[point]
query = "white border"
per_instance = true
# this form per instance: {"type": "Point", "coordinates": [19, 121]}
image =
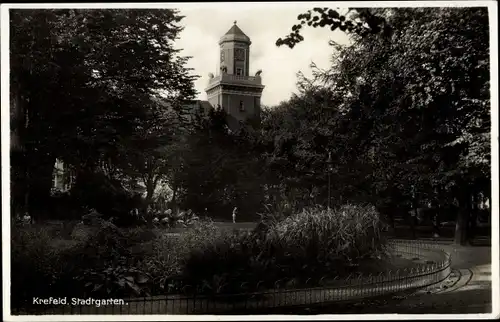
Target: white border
{"type": "Point", "coordinates": [495, 222]}
{"type": "Point", "coordinates": [5, 127]}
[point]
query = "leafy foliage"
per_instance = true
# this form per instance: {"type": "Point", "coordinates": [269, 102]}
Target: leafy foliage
{"type": "Point", "coordinates": [204, 259]}
{"type": "Point", "coordinates": [35, 266]}
{"type": "Point", "coordinates": [100, 266]}
{"type": "Point", "coordinates": [117, 280]}
{"type": "Point", "coordinates": [221, 170]}
{"type": "Point", "coordinates": [103, 66]}
{"type": "Point", "coordinates": [403, 113]}
{"type": "Point", "coordinates": [360, 21]}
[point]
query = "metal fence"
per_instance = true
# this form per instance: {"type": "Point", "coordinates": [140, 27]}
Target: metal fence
{"type": "Point", "coordinates": [434, 267]}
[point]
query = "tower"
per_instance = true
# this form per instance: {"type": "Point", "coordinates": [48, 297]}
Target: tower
{"type": "Point", "coordinates": [233, 89]}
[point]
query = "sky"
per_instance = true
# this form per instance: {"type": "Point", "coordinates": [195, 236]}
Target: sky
{"type": "Point", "coordinates": [264, 24]}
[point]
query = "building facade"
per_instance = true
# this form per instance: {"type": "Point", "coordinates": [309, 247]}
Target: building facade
{"type": "Point", "coordinates": [233, 88]}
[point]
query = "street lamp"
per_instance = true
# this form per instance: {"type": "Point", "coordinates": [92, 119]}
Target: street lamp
{"type": "Point", "coordinates": [413, 215]}
{"type": "Point", "coordinates": [329, 164]}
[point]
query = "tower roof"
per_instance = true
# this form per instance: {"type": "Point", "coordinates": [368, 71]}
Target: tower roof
{"type": "Point", "coordinates": [235, 34]}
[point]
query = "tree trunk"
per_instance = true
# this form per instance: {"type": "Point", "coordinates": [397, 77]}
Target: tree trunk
{"type": "Point", "coordinates": [473, 216]}
{"type": "Point", "coordinates": [149, 194]}
{"type": "Point", "coordinates": [436, 220]}
{"type": "Point", "coordinates": [413, 217]}
{"type": "Point", "coordinates": [18, 175]}
{"type": "Point", "coordinates": [392, 224]}
{"type": "Point", "coordinates": [39, 184]}
{"type": "Point", "coordinates": [461, 227]}
{"type": "Point", "coordinates": [174, 199]}
{"type": "Point", "coordinates": [18, 182]}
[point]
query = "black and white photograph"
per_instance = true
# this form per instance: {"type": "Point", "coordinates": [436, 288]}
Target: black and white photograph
{"type": "Point", "coordinates": [239, 160]}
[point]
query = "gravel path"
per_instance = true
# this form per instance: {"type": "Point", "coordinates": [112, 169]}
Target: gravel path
{"type": "Point", "coordinates": [468, 290]}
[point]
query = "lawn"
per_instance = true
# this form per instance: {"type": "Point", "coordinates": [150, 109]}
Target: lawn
{"type": "Point", "coordinates": [60, 232]}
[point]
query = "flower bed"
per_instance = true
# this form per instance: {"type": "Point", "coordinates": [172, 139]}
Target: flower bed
{"type": "Point", "coordinates": [297, 251]}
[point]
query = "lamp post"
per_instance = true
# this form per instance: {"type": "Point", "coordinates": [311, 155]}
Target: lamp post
{"type": "Point", "coordinates": [414, 212]}
{"type": "Point", "coordinates": [329, 164]}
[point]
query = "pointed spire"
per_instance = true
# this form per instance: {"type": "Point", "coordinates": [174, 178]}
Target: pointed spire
{"type": "Point", "coordinates": [235, 34]}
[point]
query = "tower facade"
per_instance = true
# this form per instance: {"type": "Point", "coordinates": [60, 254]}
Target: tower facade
{"type": "Point", "coordinates": [232, 88]}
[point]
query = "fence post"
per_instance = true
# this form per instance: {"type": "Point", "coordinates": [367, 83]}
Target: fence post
{"type": "Point", "coordinates": [379, 283]}
{"type": "Point", "coordinates": [370, 282]}
{"type": "Point", "coordinates": [335, 279]}
{"type": "Point", "coordinates": [349, 284]}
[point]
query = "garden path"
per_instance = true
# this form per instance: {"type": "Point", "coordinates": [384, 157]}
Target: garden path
{"type": "Point", "coordinates": [468, 290]}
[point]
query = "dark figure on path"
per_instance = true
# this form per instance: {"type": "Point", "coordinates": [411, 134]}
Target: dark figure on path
{"type": "Point", "coordinates": [434, 214]}
{"type": "Point", "coordinates": [435, 224]}
{"type": "Point", "coordinates": [235, 212]}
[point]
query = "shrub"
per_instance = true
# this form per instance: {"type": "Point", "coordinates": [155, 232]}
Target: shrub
{"type": "Point", "coordinates": [99, 266]}
{"type": "Point", "coordinates": [67, 229]}
{"type": "Point", "coordinates": [104, 265]}
{"type": "Point", "coordinates": [162, 264]}
{"type": "Point", "coordinates": [140, 234]}
{"type": "Point", "coordinates": [37, 269]}
{"type": "Point", "coordinates": [117, 279]}
{"type": "Point", "coordinates": [160, 256]}
{"type": "Point", "coordinates": [166, 262]}
{"type": "Point", "coordinates": [108, 196]}
{"type": "Point", "coordinates": [221, 263]}
{"type": "Point", "coordinates": [202, 234]}
{"type": "Point", "coordinates": [308, 244]}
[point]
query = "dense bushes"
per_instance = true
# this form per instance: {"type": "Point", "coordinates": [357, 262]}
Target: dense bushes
{"type": "Point", "coordinates": [294, 251]}
{"type": "Point", "coordinates": [97, 266]}
{"type": "Point", "coordinates": [37, 268]}
{"type": "Point", "coordinates": [107, 196]}
{"type": "Point", "coordinates": [299, 249]}
{"type": "Point", "coordinates": [222, 262]}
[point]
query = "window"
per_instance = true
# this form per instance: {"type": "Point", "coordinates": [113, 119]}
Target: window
{"type": "Point", "coordinates": [239, 54]}
{"type": "Point", "coordinates": [242, 107]}
{"type": "Point", "coordinates": [222, 56]}
{"type": "Point", "coordinates": [239, 71]}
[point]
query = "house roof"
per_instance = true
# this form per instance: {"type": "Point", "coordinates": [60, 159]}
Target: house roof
{"type": "Point", "coordinates": [235, 30]}
{"type": "Point", "coordinates": [206, 106]}
{"type": "Point", "coordinates": [235, 34]}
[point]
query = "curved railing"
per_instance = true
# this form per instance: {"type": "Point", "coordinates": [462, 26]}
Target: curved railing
{"type": "Point", "coordinates": [436, 268]}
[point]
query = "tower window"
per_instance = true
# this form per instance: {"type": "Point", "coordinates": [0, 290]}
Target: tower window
{"type": "Point", "coordinates": [239, 71]}
{"type": "Point", "coordinates": [242, 107]}
{"type": "Point", "coordinates": [239, 54]}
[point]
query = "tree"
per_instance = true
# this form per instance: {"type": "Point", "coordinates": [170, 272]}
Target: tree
{"type": "Point", "coordinates": [360, 21]}
{"type": "Point", "coordinates": [412, 99]}
{"type": "Point", "coordinates": [216, 169]}
{"type": "Point", "coordinates": [146, 154]}
{"type": "Point", "coordinates": [96, 67]}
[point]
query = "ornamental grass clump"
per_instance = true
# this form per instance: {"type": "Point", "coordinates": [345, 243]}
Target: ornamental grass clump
{"type": "Point", "coordinates": [332, 240]}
